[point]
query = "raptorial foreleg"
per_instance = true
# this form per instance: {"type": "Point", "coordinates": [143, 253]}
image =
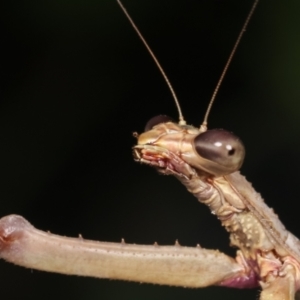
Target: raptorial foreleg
{"type": "Point", "coordinates": [22, 244]}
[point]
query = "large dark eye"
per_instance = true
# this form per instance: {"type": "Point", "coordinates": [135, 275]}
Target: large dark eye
{"type": "Point", "coordinates": [221, 147]}
{"type": "Point", "coordinates": [157, 120]}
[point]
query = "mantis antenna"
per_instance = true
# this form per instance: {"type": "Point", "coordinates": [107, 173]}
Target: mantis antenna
{"type": "Point", "coordinates": [181, 119]}
{"type": "Point", "coordinates": [203, 127]}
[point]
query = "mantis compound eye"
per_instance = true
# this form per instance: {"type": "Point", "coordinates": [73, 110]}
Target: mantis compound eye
{"type": "Point", "coordinates": [222, 148]}
{"type": "Point", "coordinates": [157, 120]}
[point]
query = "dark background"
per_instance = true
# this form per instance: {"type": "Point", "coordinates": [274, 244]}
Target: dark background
{"type": "Point", "coordinates": [77, 82]}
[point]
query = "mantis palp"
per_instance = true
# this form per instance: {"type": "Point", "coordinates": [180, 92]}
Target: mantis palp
{"type": "Point", "coordinates": [100, 213]}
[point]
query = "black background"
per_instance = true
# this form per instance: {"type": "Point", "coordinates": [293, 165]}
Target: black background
{"type": "Point", "coordinates": [77, 82]}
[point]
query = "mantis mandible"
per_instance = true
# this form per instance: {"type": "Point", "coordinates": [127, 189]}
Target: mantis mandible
{"type": "Point", "coordinates": [153, 238]}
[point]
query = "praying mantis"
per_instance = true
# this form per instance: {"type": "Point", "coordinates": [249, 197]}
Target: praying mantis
{"type": "Point", "coordinates": [162, 201]}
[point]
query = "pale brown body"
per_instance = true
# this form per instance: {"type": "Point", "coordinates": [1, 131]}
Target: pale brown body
{"type": "Point", "coordinates": [268, 253]}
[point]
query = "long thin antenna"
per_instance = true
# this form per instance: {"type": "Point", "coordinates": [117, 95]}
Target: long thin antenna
{"type": "Point", "coordinates": [181, 119]}
{"type": "Point", "coordinates": [213, 97]}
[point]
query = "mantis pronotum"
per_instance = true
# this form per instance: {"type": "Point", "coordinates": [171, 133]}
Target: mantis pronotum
{"type": "Point", "coordinates": [126, 212]}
